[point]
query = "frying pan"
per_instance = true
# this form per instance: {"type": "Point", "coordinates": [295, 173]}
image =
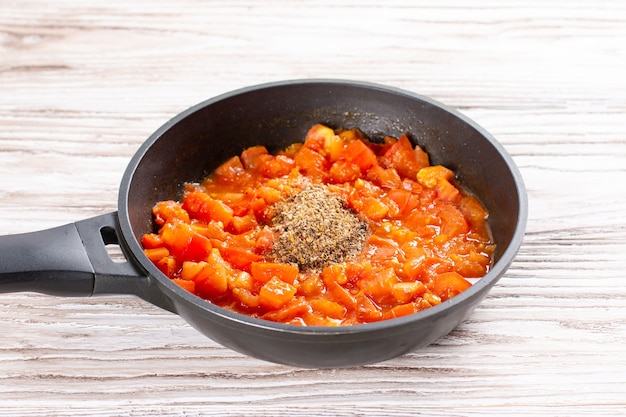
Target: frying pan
{"type": "Point", "coordinates": [72, 260]}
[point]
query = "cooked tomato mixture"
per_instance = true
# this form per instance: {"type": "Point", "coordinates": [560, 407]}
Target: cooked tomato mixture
{"type": "Point", "coordinates": [338, 230]}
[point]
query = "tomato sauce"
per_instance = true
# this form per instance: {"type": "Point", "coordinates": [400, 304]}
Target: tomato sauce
{"type": "Point", "coordinates": [337, 230]}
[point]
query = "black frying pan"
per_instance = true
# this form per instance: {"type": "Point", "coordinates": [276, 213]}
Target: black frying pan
{"type": "Point", "coordinates": [72, 260]}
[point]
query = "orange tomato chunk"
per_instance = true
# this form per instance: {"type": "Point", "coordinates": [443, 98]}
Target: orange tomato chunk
{"type": "Point", "coordinates": [275, 293]}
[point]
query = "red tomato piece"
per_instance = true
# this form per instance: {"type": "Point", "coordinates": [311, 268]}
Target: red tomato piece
{"type": "Point", "coordinates": [406, 200]}
{"type": "Point", "coordinates": [250, 156]}
{"type": "Point", "coordinates": [184, 243]}
{"type": "Point", "coordinates": [265, 271]}
{"type": "Point", "coordinates": [188, 285]}
{"type": "Point", "coordinates": [311, 163]}
{"type": "Point", "coordinates": [165, 211]}
{"type": "Point", "coordinates": [239, 257]}
{"type": "Point", "coordinates": [360, 154]}
{"type": "Point", "coordinates": [276, 293]}
{"type": "Point", "coordinates": [449, 284]}
{"type": "Point", "coordinates": [343, 171]}
{"type": "Point", "coordinates": [384, 177]}
{"type": "Point", "coordinates": [212, 280]}
{"type": "Point", "coordinates": [202, 207]}
{"type": "Point", "coordinates": [402, 157]}
{"type": "Point", "coordinates": [452, 221]}
{"type": "Point", "coordinates": [277, 166]}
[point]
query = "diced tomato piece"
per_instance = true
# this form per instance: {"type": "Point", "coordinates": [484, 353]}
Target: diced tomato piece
{"type": "Point", "coordinates": [265, 271]}
{"type": "Point", "coordinates": [275, 293]}
{"type": "Point", "coordinates": [211, 230]}
{"type": "Point", "coordinates": [156, 254]}
{"type": "Point", "coordinates": [333, 146]}
{"type": "Point", "coordinates": [238, 257]}
{"type": "Point", "coordinates": [184, 243]}
{"type": "Point", "coordinates": [203, 207]}
{"type": "Point", "coordinates": [289, 312]}
{"type": "Point", "coordinates": [269, 195]}
{"type": "Point", "coordinates": [351, 134]}
{"type": "Point", "coordinates": [165, 211]}
{"type": "Point", "coordinates": [242, 224]}
{"type": "Point", "coordinates": [258, 207]}
{"type": "Point", "coordinates": [231, 171]}
{"type": "Point", "coordinates": [422, 223]}
{"type": "Point", "coordinates": [360, 154]}
{"type": "Point", "coordinates": [334, 273]}
{"type": "Point", "coordinates": [449, 284]}
{"type": "Point", "coordinates": [374, 209]}
{"type": "Point", "coordinates": [328, 308]}
{"type": "Point", "coordinates": [313, 285]}
{"type": "Point", "coordinates": [378, 286]}
{"type": "Point", "coordinates": [167, 265]}
{"type": "Point", "coordinates": [277, 166]}
{"type": "Point", "coordinates": [384, 177]}
{"type": "Point", "coordinates": [151, 241]}
{"type": "Point", "coordinates": [250, 157]}
{"type": "Point", "coordinates": [402, 157]}
{"type": "Point", "coordinates": [414, 266]}
{"type": "Point", "coordinates": [311, 163]}
{"type": "Point", "coordinates": [212, 280]}
{"type": "Point", "coordinates": [246, 297]}
{"type": "Point", "coordinates": [406, 200]}
{"type": "Point", "coordinates": [191, 269]}
{"type": "Point", "coordinates": [407, 291]}
{"type": "Point", "coordinates": [380, 249]}
{"type": "Point", "coordinates": [473, 211]}
{"type": "Point", "coordinates": [430, 176]}
{"type": "Point", "coordinates": [452, 221]}
{"type": "Point", "coordinates": [317, 136]}
{"type": "Point", "coordinates": [187, 285]}
{"type": "Point", "coordinates": [265, 240]}
{"type": "Point", "coordinates": [343, 171]}
{"type": "Point", "coordinates": [402, 310]}
{"type": "Point", "coordinates": [341, 295]}
{"type": "Point", "coordinates": [447, 192]}
{"type": "Point", "coordinates": [421, 156]}
{"type": "Point", "coordinates": [367, 310]}
{"type": "Point", "coordinates": [240, 279]}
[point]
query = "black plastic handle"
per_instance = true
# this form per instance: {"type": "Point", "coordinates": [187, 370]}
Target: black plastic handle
{"type": "Point", "coordinates": [72, 260]}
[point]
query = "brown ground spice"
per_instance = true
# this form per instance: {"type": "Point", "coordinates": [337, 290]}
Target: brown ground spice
{"type": "Point", "coordinates": [315, 228]}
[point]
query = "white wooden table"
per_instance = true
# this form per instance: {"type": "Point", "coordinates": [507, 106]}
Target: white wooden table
{"type": "Point", "coordinates": [83, 84]}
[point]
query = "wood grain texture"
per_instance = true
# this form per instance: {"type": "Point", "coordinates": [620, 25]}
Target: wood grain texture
{"type": "Point", "coordinates": [82, 84]}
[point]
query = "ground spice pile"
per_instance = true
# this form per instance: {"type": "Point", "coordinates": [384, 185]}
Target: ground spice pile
{"type": "Point", "coordinates": [316, 228]}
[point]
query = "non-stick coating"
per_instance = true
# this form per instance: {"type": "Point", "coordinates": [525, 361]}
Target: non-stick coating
{"type": "Point", "coordinates": [194, 143]}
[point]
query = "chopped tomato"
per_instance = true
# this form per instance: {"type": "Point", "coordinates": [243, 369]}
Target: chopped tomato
{"type": "Point", "coordinates": [343, 171]}
{"type": "Point", "coordinates": [203, 207]}
{"type": "Point", "coordinates": [239, 257]}
{"type": "Point", "coordinates": [265, 271]}
{"type": "Point", "coordinates": [311, 163]}
{"type": "Point", "coordinates": [359, 154]}
{"type": "Point", "coordinates": [449, 284]}
{"type": "Point", "coordinates": [406, 200]}
{"type": "Point", "coordinates": [184, 243]}
{"type": "Point", "coordinates": [250, 157]}
{"type": "Point", "coordinates": [276, 293]}
{"type": "Point", "coordinates": [165, 211]}
{"type": "Point", "coordinates": [401, 156]}
{"type": "Point", "coordinates": [212, 279]}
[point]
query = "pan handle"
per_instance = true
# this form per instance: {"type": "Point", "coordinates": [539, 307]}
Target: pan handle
{"type": "Point", "coordinates": [72, 260]}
